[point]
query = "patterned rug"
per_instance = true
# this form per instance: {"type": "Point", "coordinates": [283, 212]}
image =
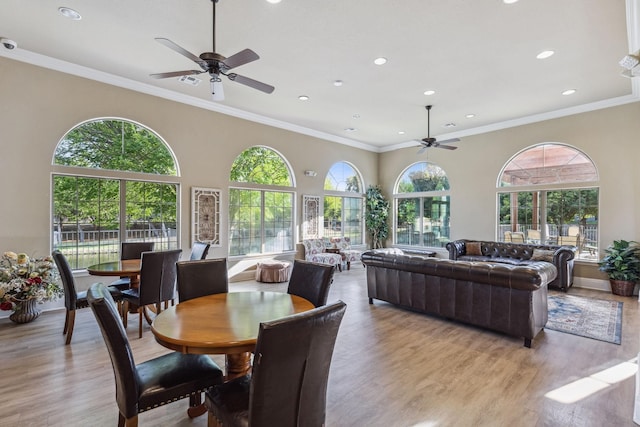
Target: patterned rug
{"type": "Point", "coordinates": [587, 317]}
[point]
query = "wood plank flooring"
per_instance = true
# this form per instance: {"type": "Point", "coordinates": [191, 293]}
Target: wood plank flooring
{"type": "Point", "coordinates": [391, 367]}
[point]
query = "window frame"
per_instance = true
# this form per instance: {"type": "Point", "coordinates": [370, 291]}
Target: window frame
{"type": "Point", "coordinates": [588, 249]}
{"type": "Point", "coordinates": [263, 188]}
{"type": "Point", "coordinates": [343, 196]}
{"type": "Point", "coordinates": [421, 196]}
{"type": "Point", "coordinates": [122, 176]}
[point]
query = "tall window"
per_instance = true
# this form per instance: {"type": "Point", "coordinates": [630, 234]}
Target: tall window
{"type": "Point", "coordinates": [422, 206]}
{"type": "Point", "coordinates": [343, 203]}
{"type": "Point", "coordinates": [113, 198]}
{"type": "Point", "coordinates": [547, 195]}
{"type": "Point", "coordinates": [260, 203]}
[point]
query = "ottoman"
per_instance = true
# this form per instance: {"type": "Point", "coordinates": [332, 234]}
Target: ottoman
{"type": "Point", "coordinates": [272, 271]}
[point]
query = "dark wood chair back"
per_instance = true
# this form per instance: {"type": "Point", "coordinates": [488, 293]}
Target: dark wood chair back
{"type": "Point", "coordinates": [202, 277]}
{"type": "Point", "coordinates": [311, 281]}
{"type": "Point", "coordinates": [152, 383]}
{"type": "Point", "coordinates": [288, 384]}
{"type": "Point", "coordinates": [133, 250]}
{"type": "Point", "coordinates": [199, 250]}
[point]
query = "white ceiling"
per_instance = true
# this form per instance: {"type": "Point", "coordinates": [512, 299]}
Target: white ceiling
{"type": "Point", "coordinates": [478, 55]}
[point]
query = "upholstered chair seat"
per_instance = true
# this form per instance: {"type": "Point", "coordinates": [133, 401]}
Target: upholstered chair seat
{"type": "Point", "coordinates": [315, 250]}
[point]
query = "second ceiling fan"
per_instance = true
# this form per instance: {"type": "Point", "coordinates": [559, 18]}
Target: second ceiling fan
{"type": "Point", "coordinates": [429, 142]}
{"type": "Point", "coordinates": [215, 65]}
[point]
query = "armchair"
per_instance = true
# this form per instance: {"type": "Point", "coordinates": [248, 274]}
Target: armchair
{"type": "Point", "coordinates": [315, 250]}
{"type": "Point", "coordinates": [343, 244]}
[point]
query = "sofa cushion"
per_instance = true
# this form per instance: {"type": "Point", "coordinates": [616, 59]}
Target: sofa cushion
{"type": "Point", "coordinates": [473, 248]}
{"type": "Point", "coordinates": [542, 255]}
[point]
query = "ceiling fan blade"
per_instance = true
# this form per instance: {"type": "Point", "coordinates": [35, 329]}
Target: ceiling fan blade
{"type": "Point", "coordinates": [446, 141]}
{"type": "Point", "coordinates": [240, 58]}
{"type": "Point", "coordinates": [175, 74]}
{"type": "Point", "coordinates": [448, 147]}
{"type": "Point", "coordinates": [251, 83]}
{"type": "Point", "coordinates": [171, 45]}
{"type": "Point", "coordinates": [422, 149]}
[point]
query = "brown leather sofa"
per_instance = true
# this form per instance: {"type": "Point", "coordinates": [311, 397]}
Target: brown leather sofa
{"type": "Point", "coordinates": [519, 254]}
{"type": "Point", "coordinates": [506, 298]}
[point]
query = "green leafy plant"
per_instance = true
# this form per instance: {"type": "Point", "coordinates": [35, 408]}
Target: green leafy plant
{"type": "Point", "coordinates": [376, 216]}
{"type": "Point", "coordinates": [622, 261]}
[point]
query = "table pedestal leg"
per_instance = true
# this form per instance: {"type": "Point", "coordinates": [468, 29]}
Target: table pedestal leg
{"type": "Point", "coordinates": [238, 364]}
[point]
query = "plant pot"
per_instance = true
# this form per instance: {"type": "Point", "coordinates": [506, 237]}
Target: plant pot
{"type": "Point", "coordinates": [25, 312]}
{"type": "Point", "coordinates": [622, 287]}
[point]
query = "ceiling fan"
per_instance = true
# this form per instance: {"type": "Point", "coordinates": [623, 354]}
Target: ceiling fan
{"type": "Point", "coordinates": [216, 65]}
{"type": "Point", "coordinates": [429, 142]}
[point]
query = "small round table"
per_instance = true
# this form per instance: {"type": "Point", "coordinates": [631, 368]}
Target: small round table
{"type": "Point", "coordinates": [125, 267]}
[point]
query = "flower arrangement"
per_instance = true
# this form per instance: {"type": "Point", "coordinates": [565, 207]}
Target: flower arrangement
{"type": "Point", "coordinates": [22, 279]}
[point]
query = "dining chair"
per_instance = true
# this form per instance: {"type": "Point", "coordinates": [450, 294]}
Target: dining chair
{"type": "Point", "coordinates": [199, 250]}
{"type": "Point", "coordinates": [74, 300]}
{"type": "Point", "coordinates": [202, 277]}
{"type": "Point", "coordinates": [157, 284]}
{"type": "Point", "coordinates": [288, 383]}
{"type": "Point", "coordinates": [507, 236]}
{"type": "Point", "coordinates": [131, 250]}
{"type": "Point", "coordinates": [153, 383]}
{"type": "Point", "coordinates": [311, 281]}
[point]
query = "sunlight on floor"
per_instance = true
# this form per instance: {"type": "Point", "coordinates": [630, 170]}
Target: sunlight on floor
{"type": "Point", "coordinates": [587, 386]}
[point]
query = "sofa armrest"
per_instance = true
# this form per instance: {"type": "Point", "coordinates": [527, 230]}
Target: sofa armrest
{"type": "Point", "coordinates": [456, 248]}
{"type": "Point", "coordinates": [563, 260]}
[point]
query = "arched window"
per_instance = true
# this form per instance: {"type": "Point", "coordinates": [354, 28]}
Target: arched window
{"type": "Point", "coordinates": [547, 195]}
{"type": "Point", "coordinates": [260, 216]}
{"type": "Point", "coordinates": [422, 206]}
{"type": "Point", "coordinates": [114, 180]}
{"type": "Point", "coordinates": [343, 203]}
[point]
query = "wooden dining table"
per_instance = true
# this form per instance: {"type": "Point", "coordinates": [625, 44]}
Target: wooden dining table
{"type": "Point", "coordinates": [125, 267]}
{"type": "Point", "coordinates": [224, 323]}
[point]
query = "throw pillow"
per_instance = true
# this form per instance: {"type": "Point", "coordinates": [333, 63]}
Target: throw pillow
{"type": "Point", "coordinates": [542, 255]}
{"type": "Point", "coordinates": [473, 248]}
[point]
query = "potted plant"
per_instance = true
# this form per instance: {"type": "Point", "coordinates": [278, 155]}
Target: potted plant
{"type": "Point", "coordinates": [622, 265]}
{"type": "Point", "coordinates": [376, 216]}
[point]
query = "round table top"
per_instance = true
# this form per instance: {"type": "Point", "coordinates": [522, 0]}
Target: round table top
{"type": "Point", "coordinates": [116, 268]}
{"type": "Point", "coordinates": [223, 323]}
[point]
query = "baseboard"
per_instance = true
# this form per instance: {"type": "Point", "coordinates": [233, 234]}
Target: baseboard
{"type": "Point", "coordinates": [595, 284]}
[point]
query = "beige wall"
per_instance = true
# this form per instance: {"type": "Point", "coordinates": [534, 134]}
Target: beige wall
{"type": "Point", "coordinates": [610, 137]}
{"type": "Point", "coordinates": [38, 106]}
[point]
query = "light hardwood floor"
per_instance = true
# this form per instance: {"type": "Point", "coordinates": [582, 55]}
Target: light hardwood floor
{"type": "Point", "coordinates": [391, 367]}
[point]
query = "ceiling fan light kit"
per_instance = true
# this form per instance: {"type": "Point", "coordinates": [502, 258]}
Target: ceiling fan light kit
{"type": "Point", "coordinates": [215, 65]}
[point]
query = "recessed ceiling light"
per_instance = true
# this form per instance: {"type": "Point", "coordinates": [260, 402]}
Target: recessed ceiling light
{"type": "Point", "coordinates": [401, 132]}
{"type": "Point", "coordinates": [545, 54]}
{"type": "Point", "coordinates": [470, 116]}
{"type": "Point", "coordinates": [429, 92]}
{"type": "Point", "coordinates": [380, 61]}
{"type": "Point", "coordinates": [274, 1]}
{"type": "Point", "coordinates": [350, 129]}
{"type": "Point", "coordinates": [67, 12]}
{"type": "Point", "coordinates": [509, 1]}
{"type": "Point", "coordinates": [450, 125]}
{"type": "Point", "coordinates": [303, 98]}
{"type": "Point", "coordinates": [569, 92]}
{"type": "Point", "coordinates": [337, 83]}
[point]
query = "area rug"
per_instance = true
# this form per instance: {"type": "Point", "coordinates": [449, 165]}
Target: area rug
{"type": "Point", "coordinates": [586, 317]}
